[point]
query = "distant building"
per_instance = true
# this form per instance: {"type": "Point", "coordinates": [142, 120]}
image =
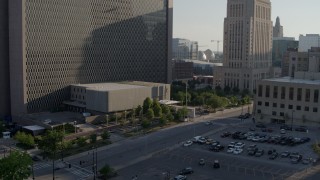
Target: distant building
{"type": "Point", "coordinates": [113, 97]}
{"type": "Point", "coordinates": [308, 41]}
{"type": "Point", "coordinates": [182, 70]}
{"type": "Point", "coordinates": [209, 55]}
{"type": "Point", "coordinates": [247, 44]}
{"type": "Point", "coordinates": [292, 99]}
{"type": "Point", "coordinates": [278, 29]}
{"type": "Point", "coordinates": [184, 49]}
{"type": "Point", "coordinates": [280, 47]}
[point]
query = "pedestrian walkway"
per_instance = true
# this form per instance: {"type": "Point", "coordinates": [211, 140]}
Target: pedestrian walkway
{"type": "Point", "coordinates": [82, 173]}
{"type": "Point", "coordinates": [41, 165]}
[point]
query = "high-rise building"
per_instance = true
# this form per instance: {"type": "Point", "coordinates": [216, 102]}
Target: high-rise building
{"type": "Point", "coordinates": [308, 41]}
{"type": "Point", "coordinates": [184, 49]}
{"type": "Point", "coordinates": [278, 29]}
{"type": "Point", "coordinates": [57, 43]}
{"type": "Point", "coordinates": [247, 44]}
{"type": "Point", "coordinates": [280, 45]}
{"type": "Point", "coordinates": [4, 60]}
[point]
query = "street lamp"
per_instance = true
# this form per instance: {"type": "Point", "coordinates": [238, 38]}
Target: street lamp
{"type": "Point", "coordinates": [292, 120]}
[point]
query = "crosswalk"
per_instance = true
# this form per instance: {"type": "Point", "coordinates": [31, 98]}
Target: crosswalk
{"type": "Point", "coordinates": [41, 165]}
{"type": "Point", "coordinates": [80, 172]}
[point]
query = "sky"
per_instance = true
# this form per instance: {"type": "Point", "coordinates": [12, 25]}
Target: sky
{"type": "Point", "coordinates": [202, 20]}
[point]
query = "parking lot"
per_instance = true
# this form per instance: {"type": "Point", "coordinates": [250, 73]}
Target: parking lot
{"type": "Point", "coordinates": [239, 166]}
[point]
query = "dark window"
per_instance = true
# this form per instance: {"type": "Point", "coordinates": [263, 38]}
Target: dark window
{"type": "Point", "coordinates": [307, 95]}
{"type": "Point", "coordinates": [275, 92]}
{"type": "Point", "coordinates": [290, 107]}
{"type": "Point", "coordinates": [298, 108]}
{"type": "Point", "coordinates": [299, 94]}
{"type": "Point", "coordinates": [316, 96]}
{"type": "Point", "coordinates": [260, 91]}
{"type": "Point", "coordinates": [274, 113]}
{"type": "Point", "coordinates": [283, 92]}
{"type": "Point", "coordinates": [266, 104]}
{"type": "Point", "coordinates": [291, 93]}
{"type": "Point", "coordinates": [315, 109]}
{"type": "Point", "coordinates": [259, 111]}
{"type": "Point", "coordinates": [267, 91]}
{"type": "Point", "coordinates": [282, 106]}
{"type": "Point", "coordinates": [281, 113]}
{"type": "Point", "coordinates": [306, 108]}
{"type": "Point", "coordinates": [259, 103]}
{"type": "Point", "coordinates": [274, 105]}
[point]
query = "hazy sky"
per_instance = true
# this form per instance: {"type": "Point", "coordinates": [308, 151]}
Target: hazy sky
{"type": "Point", "coordinates": [202, 20]}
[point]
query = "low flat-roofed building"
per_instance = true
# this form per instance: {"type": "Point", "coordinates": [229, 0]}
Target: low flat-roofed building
{"type": "Point", "coordinates": [288, 100]}
{"type": "Point", "coordinates": [113, 97]}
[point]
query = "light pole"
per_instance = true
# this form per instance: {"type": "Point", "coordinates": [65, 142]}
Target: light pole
{"type": "Point", "coordinates": [292, 120]}
{"type": "Point", "coordinates": [186, 94]}
{"type": "Point", "coordinates": [75, 126]}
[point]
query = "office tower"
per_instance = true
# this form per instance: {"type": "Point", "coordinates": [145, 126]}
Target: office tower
{"type": "Point", "coordinates": [308, 41]}
{"type": "Point", "coordinates": [184, 49]}
{"type": "Point", "coordinates": [280, 45]}
{"type": "Point", "coordinates": [57, 43]}
{"type": "Point", "coordinates": [247, 44]}
{"type": "Point", "coordinates": [278, 29]}
{"type": "Point", "coordinates": [4, 60]}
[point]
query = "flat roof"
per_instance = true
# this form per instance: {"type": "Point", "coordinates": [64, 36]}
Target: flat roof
{"type": "Point", "coordinates": [34, 128]}
{"type": "Point", "coordinates": [294, 81]}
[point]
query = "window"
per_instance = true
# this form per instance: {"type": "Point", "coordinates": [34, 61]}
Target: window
{"type": "Point", "coordinates": [266, 104]}
{"type": "Point", "coordinates": [283, 92]}
{"type": "Point", "coordinates": [274, 113]}
{"type": "Point", "coordinates": [281, 113]}
{"type": "Point", "coordinates": [307, 95]}
{"type": "Point", "coordinates": [315, 109]}
{"type": "Point", "coordinates": [316, 96]}
{"type": "Point", "coordinates": [299, 94]}
{"type": "Point", "coordinates": [282, 106]}
{"type": "Point", "coordinates": [291, 93]}
{"type": "Point", "coordinates": [290, 107]}
{"type": "Point", "coordinates": [275, 92]}
{"type": "Point", "coordinates": [259, 111]}
{"type": "Point", "coordinates": [260, 91]}
{"type": "Point", "coordinates": [259, 103]}
{"type": "Point", "coordinates": [298, 108]}
{"type": "Point", "coordinates": [274, 105]}
{"type": "Point", "coordinates": [306, 108]}
{"type": "Point", "coordinates": [267, 91]}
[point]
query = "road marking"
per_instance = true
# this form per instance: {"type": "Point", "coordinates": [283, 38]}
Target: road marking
{"type": "Point", "coordinates": [41, 165]}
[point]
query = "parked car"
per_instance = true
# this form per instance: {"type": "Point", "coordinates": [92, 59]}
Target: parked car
{"type": "Point", "coordinates": [216, 164]}
{"type": "Point", "coordinates": [301, 129]}
{"type": "Point", "coordinates": [259, 153]}
{"type": "Point", "coordinates": [282, 131]}
{"type": "Point", "coordinates": [187, 170]}
{"type": "Point", "coordinates": [239, 145]}
{"type": "Point", "coordinates": [247, 115]}
{"type": "Point", "coordinates": [225, 134]}
{"type": "Point", "coordinates": [273, 156]}
{"type": "Point", "coordinates": [252, 129]}
{"type": "Point", "coordinates": [180, 177]}
{"type": "Point", "coordinates": [252, 152]}
{"type": "Point", "coordinates": [285, 154]}
{"type": "Point", "coordinates": [306, 161]}
{"type": "Point", "coordinates": [230, 150]}
{"type": "Point", "coordinates": [271, 151]}
{"type": "Point", "coordinates": [202, 162]}
{"type": "Point", "coordinates": [252, 146]}
{"type": "Point", "coordinates": [260, 125]}
{"type": "Point", "coordinates": [286, 127]}
{"type": "Point", "coordinates": [238, 151]}
{"type": "Point", "coordinates": [188, 143]}
{"type": "Point", "coordinates": [218, 148]}
{"type": "Point", "coordinates": [296, 160]}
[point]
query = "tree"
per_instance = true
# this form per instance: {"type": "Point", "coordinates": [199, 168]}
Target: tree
{"type": "Point", "coordinates": [150, 114]}
{"type": "Point", "coordinates": [165, 109]}
{"type": "Point", "coordinates": [107, 172]}
{"type": "Point", "coordinates": [234, 101]}
{"type": "Point", "coordinates": [81, 141]}
{"type": "Point", "coordinates": [163, 120]}
{"type": "Point", "coordinates": [181, 96]}
{"type": "Point", "coordinates": [15, 166]}
{"type": "Point", "coordinates": [26, 140]}
{"type": "Point", "coordinates": [52, 142]}
{"type": "Point", "coordinates": [93, 138]}
{"type": "Point", "coordinates": [157, 109]}
{"type": "Point", "coordinates": [145, 123]}
{"type": "Point", "coordinates": [215, 102]}
{"type": "Point", "coordinates": [182, 113]}
{"type": "Point", "coordinates": [169, 116]}
{"type": "Point", "coordinates": [105, 135]}
{"type": "Point", "coordinates": [147, 104]}
{"type": "Point", "coordinates": [246, 99]}
{"type": "Point", "coordinates": [138, 110]}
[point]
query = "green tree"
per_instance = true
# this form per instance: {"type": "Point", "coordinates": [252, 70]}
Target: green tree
{"type": "Point", "coordinates": [145, 123]}
{"type": "Point", "coordinates": [107, 172]}
{"type": "Point", "coordinates": [165, 109]}
{"type": "Point", "coordinates": [93, 138]}
{"type": "Point", "coordinates": [246, 99]}
{"type": "Point", "coordinates": [138, 110]}
{"type": "Point", "coordinates": [52, 142]}
{"type": "Point", "coordinates": [163, 120]}
{"type": "Point", "coordinates": [147, 104]}
{"type": "Point", "coordinates": [181, 96]}
{"type": "Point", "coordinates": [105, 135]}
{"type": "Point", "coordinates": [81, 141]}
{"type": "Point", "coordinates": [169, 116]}
{"type": "Point", "coordinates": [182, 113]}
{"type": "Point", "coordinates": [26, 140]}
{"type": "Point", "coordinates": [215, 102]}
{"type": "Point", "coordinates": [233, 101]}
{"type": "Point", "coordinates": [15, 166]}
{"type": "Point", "coordinates": [157, 108]}
{"type": "Point", "coordinates": [150, 114]}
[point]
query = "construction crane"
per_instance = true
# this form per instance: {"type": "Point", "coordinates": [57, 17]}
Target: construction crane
{"type": "Point", "coordinates": [218, 42]}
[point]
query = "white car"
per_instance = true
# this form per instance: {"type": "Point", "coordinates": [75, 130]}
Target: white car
{"type": "Point", "coordinates": [230, 150]}
{"type": "Point", "coordinates": [188, 143]}
{"type": "Point", "coordinates": [239, 145]}
{"type": "Point", "coordinates": [238, 151]}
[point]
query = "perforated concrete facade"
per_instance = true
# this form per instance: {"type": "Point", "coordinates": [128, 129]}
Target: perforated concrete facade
{"type": "Point", "coordinates": [85, 41]}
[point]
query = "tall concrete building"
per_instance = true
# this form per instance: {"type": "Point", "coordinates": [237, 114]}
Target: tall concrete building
{"type": "Point", "coordinates": [4, 60]}
{"type": "Point", "coordinates": [278, 29]}
{"type": "Point", "coordinates": [57, 43]}
{"type": "Point", "coordinates": [308, 41]}
{"type": "Point", "coordinates": [247, 44]}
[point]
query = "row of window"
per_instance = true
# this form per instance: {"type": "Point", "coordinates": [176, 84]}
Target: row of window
{"type": "Point", "coordinates": [283, 106]}
{"type": "Point", "coordinates": [293, 92]}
